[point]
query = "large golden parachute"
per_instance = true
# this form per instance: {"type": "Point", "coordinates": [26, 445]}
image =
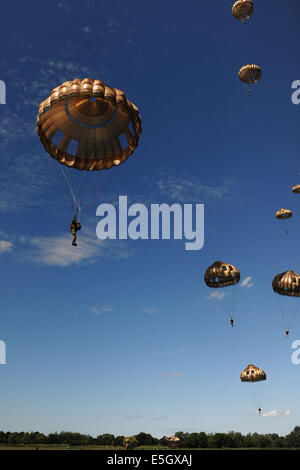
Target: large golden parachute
{"type": "Point", "coordinates": [253, 373]}
{"type": "Point", "coordinates": [243, 10]}
{"type": "Point", "coordinates": [221, 274]}
{"type": "Point", "coordinates": [87, 125]}
{"type": "Point", "coordinates": [287, 283]}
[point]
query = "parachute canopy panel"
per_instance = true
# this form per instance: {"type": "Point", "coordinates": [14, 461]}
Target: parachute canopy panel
{"type": "Point", "coordinates": [221, 274]}
{"type": "Point", "coordinates": [93, 115]}
{"type": "Point", "coordinates": [253, 373]}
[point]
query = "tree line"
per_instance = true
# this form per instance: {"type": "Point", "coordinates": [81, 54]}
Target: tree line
{"type": "Point", "coordinates": [191, 440]}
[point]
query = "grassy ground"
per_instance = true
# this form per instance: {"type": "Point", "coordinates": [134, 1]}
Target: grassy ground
{"type": "Point", "coordinates": [112, 448]}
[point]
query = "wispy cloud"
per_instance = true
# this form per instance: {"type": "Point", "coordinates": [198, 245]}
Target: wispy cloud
{"type": "Point", "coordinates": [171, 374]}
{"type": "Point", "coordinates": [190, 189]}
{"type": "Point", "coordinates": [58, 250]}
{"type": "Point", "coordinates": [5, 246]}
{"type": "Point", "coordinates": [218, 295]}
{"type": "Point", "coordinates": [150, 311]}
{"type": "Point", "coordinates": [133, 416]}
{"type": "Point", "coordinates": [276, 414]}
{"type": "Point", "coordinates": [103, 309]}
{"type": "Point", "coordinates": [27, 183]}
{"type": "Point", "coordinates": [159, 418]}
{"type": "Point", "coordinates": [247, 282]}
{"type": "Point", "coordinates": [63, 5]}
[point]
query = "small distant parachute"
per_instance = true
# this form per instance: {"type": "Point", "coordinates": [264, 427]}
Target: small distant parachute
{"type": "Point", "coordinates": [130, 442]}
{"type": "Point", "coordinates": [172, 442]}
{"type": "Point", "coordinates": [221, 274]}
{"type": "Point", "coordinates": [287, 283]}
{"type": "Point", "coordinates": [243, 10]}
{"type": "Point", "coordinates": [250, 74]}
{"type": "Point", "coordinates": [253, 373]}
{"type": "Point", "coordinates": [284, 214]}
{"type": "Point", "coordinates": [296, 189]}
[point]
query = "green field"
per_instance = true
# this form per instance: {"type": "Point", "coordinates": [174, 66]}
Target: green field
{"type": "Point", "coordinates": [118, 448]}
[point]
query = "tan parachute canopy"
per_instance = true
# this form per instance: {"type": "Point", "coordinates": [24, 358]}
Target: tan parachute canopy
{"type": "Point", "coordinates": [173, 442]}
{"type": "Point", "coordinates": [252, 373]}
{"type": "Point", "coordinates": [243, 10]}
{"type": "Point", "coordinates": [296, 189]}
{"type": "Point", "coordinates": [250, 74]}
{"type": "Point", "coordinates": [221, 274]}
{"type": "Point", "coordinates": [287, 283]}
{"type": "Point", "coordinates": [283, 214]}
{"type": "Point", "coordinates": [94, 116]}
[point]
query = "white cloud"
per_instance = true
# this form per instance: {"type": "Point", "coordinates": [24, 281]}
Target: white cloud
{"type": "Point", "coordinates": [247, 282]}
{"type": "Point", "coordinates": [171, 374]}
{"type": "Point", "coordinates": [5, 246]}
{"type": "Point", "coordinates": [216, 295]}
{"type": "Point", "coordinates": [58, 250]}
{"type": "Point", "coordinates": [100, 310]}
{"type": "Point", "coordinates": [275, 414]}
{"type": "Point", "coordinates": [150, 311]}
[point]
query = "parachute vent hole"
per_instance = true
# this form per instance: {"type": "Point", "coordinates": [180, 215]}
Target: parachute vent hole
{"type": "Point", "coordinates": [56, 139]}
{"type": "Point", "coordinates": [123, 141]}
{"type": "Point", "coordinates": [72, 147]}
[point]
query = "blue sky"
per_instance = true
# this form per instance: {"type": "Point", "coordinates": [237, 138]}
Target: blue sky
{"type": "Point", "coordinates": [122, 336]}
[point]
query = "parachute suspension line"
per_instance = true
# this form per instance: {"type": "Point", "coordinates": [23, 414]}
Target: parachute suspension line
{"type": "Point", "coordinates": [258, 394]}
{"type": "Point", "coordinates": [288, 317]}
{"type": "Point", "coordinates": [65, 187]}
{"type": "Point", "coordinates": [284, 320]}
{"type": "Point", "coordinates": [91, 188]}
{"type": "Point", "coordinates": [88, 204]}
{"type": "Point", "coordinates": [79, 187]}
{"type": "Point", "coordinates": [76, 204]}
{"type": "Point", "coordinates": [78, 193]}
